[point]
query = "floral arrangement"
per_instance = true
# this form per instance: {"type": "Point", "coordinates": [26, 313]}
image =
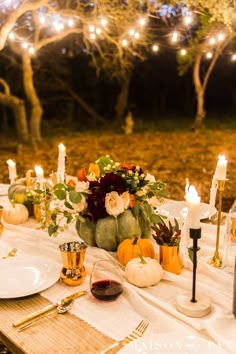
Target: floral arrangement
{"type": "Point", "coordinates": [167, 234]}
{"type": "Point", "coordinates": [108, 188]}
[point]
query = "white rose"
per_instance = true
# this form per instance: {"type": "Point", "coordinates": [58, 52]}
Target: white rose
{"type": "Point", "coordinates": [126, 199]}
{"type": "Point", "coordinates": [114, 204]}
{"type": "Point", "coordinates": [150, 178]}
{"type": "Point", "coordinates": [82, 186]}
{"type": "Point", "coordinates": [82, 205]}
{"type": "Point", "coordinates": [91, 177]}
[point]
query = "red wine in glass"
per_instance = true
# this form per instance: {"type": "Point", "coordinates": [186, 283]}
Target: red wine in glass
{"type": "Point", "coordinates": [106, 290]}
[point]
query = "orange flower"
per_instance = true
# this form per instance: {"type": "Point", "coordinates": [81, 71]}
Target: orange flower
{"type": "Point", "coordinates": [132, 200]}
{"type": "Point", "coordinates": [81, 175]}
{"type": "Point", "coordinates": [126, 166]}
{"type": "Point", "coordinates": [94, 168]}
{"type": "Point", "coordinates": [72, 183]}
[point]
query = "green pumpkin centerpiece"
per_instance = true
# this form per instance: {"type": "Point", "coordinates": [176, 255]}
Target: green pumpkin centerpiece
{"type": "Point", "coordinates": [109, 232]}
{"type": "Point", "coordinates": [20, 190]}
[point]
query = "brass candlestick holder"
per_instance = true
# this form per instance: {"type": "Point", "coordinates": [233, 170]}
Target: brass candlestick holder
{"type": "Point", "coordinates": [216, 260]}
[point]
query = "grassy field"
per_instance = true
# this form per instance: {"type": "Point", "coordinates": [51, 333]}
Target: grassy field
{"type": "Point", "coordinates": [171, 156]}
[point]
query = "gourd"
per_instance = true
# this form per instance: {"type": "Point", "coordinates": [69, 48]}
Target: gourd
{"type": "Point", "coordinates": [143, 271]}
{"type": "Point", "coordinates": [15, 214]}
{"type": "Point", "coordinates": [130, 248]}
{"type": "Point", "coordinates": [109, 232]}
{"type": "Point", "coordinates": [17, 191]}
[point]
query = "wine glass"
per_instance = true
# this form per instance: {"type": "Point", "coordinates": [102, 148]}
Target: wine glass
{"type": "Point", "coordinates": [106, 280]}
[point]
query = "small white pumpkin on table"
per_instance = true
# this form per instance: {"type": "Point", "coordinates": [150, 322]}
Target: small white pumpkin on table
{"type": "Point", "coordinates": [15, 214]}
{"type": "Point", "coordinates": [143, 271]}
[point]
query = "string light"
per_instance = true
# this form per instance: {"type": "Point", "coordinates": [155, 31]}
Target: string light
{"type": "Point", "coordinates": [11, 36]}
{"type": "Point", "coordinates": [124, 42]}
{"type": "Point", "coordinates": [234, 57]}
{"type": "Point", "coordinates": [142, 21]}
{"type": "Point", "coordinates": [42, 19]}
{"type": "Point", "coordinates": [221, 37]}
{"type": "Point", "coordinates": [188, 20]}
{"type": "Point", "coordinates": [31, 50]}
{"type": "Point", "coordinates": [183, 52]}
{"type": "Point", "coordinates": [212, 41]}
{"type": "Point", "coordinates": [103, 22]}
{"type": "Point", "coordinates": [155, 48]}
{"type": "Point", "coordinates": [209, 55]}
{"type": "Point", "coordinates": [175, 36]}
{"type": "Point", "coordinates": [136, 35]}
{"type": "Point", "coordinates": [91, 28]}
{"type": "Point", "coordinates": [70, 22]}
{"type": "Point", "coordinates": [98, 30]}
{"type": "Point", "coordinates": [25, 45]}
{"type": "Point", "coordinates": [92, 36]}
{"type": "Point", "coordinates": [131, 32]}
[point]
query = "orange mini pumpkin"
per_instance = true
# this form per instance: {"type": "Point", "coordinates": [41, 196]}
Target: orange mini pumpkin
{"type": "Point", "coordinates": [130, 248]}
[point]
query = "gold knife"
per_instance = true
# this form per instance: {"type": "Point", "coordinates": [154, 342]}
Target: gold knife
{"type": "Point", "coordinates": [49, 308]}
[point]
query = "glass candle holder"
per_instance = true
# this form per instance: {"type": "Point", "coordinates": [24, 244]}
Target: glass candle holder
{"type": "Point", "coordinates": [73, 271]}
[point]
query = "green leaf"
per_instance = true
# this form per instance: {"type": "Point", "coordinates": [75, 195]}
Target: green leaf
{"type": "Point", "coordinates": [75, 197]}
{"type": "Point", "coordinates": [102, 162]}
{"type": "Point", "coordinates": [60, 194]}
{"type": "Point", "coordinates": [68, 205]}
{"type": "Point", "coordinates": [136, 208]}
{"type": "Point", "coordinates": [52, 229]}
{"type": "Point", "coordinates": [156, 219]}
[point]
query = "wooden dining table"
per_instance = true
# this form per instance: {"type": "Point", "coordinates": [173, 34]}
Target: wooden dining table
{"type": "Point", "coordinates": [94, 325]}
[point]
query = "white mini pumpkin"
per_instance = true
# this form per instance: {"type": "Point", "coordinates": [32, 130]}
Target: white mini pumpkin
{"type": "Point", "coordinates": [143, 271]}
{"type": "Point", "coordinates": [15, 214]}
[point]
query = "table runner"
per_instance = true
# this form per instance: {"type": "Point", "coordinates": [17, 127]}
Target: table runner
{"type": "Point", "coordinates": [156, 304]}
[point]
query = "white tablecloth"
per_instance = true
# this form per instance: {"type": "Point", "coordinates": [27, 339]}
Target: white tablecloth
{"type": "Point", "coordinates": [155, 304]}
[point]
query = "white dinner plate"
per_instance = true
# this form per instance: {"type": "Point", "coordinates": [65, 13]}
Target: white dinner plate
{"type": "Point", "coordinates": [4, 189]}
{"type": "Point", "coordinates": [179, 209]}
{"type": "Point", "coordinates": [171, 343]}
{"type": "Point", "coordinates": [26, 275]}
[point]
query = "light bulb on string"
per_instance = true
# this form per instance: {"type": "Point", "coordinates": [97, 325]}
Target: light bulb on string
{"type": "Point", "coordinates": [71, 22]}
{"type": "Point", "coordinates": [11, 36]}
{"type": "Point", "coordinates": [183, 51]}
{"type": "Point", "coordinates": [220, 37]}
{"type": "Point", "coordinates": [174, 36]}
{"type": "Point", "coordinates": [136, 35]}
{"type": "Point", "coordinates": [31, 50]}
{"type": "Point", "coordinates": [91, 28]}
{"type": "Point", "coordinates": [209, 55]}
{"type": "Point", "coordinates": [212, 41]}
{"type": "Point", "coordinates": [188, 20]}
{"type": "Point", "coordinates": [131, 32]}
{"type": "Point", "coordinates": [233, 57]}
{"type": "Point", "coordinates": [42, 19]}
{"type": "Point", "coordinates": [142, 21]}
{"type": "Point", "coordinates": [155, 48]}
{"type": "Point", "coordinates": [92, 36]}
{"type": "Point", "coordinates": [25, 45]}
{"type": "Point", "coordinates": [103, 22]}
{"type": "Point", "coordinates": [98, 30]}
{"type": "Point", "coordinates": [124, 42]}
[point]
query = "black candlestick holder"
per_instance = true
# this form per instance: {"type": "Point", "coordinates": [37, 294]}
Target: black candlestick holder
{"type": "Point", "coordinates": [190, 305]}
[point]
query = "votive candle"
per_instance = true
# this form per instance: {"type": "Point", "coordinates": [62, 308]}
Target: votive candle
{"type": "Point", "coordinates": [12, 171]}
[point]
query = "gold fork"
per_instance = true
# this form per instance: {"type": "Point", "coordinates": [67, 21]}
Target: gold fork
{"type": "Point", "coordinates": [137, 333]}
{"type": "Point", "coordinates": [11, 253]}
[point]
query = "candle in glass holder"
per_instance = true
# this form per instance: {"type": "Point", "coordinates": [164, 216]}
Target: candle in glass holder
{"type": "Point", "coordinates": [220, 172]}
{"type": "Point", "coordinates": [193, 202]}
{"type": "Point", "coordinates": [61, 163]}
{"type": "Point", "coordinates": [12, 171]}
{"type": "Point", "coordinates": [40, 175]}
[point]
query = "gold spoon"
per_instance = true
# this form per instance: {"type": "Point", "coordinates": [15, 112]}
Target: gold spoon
{"type": "Point", "coordinates": [11, 253]}
{"type": "Point", "coordinates": [61, 309]}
